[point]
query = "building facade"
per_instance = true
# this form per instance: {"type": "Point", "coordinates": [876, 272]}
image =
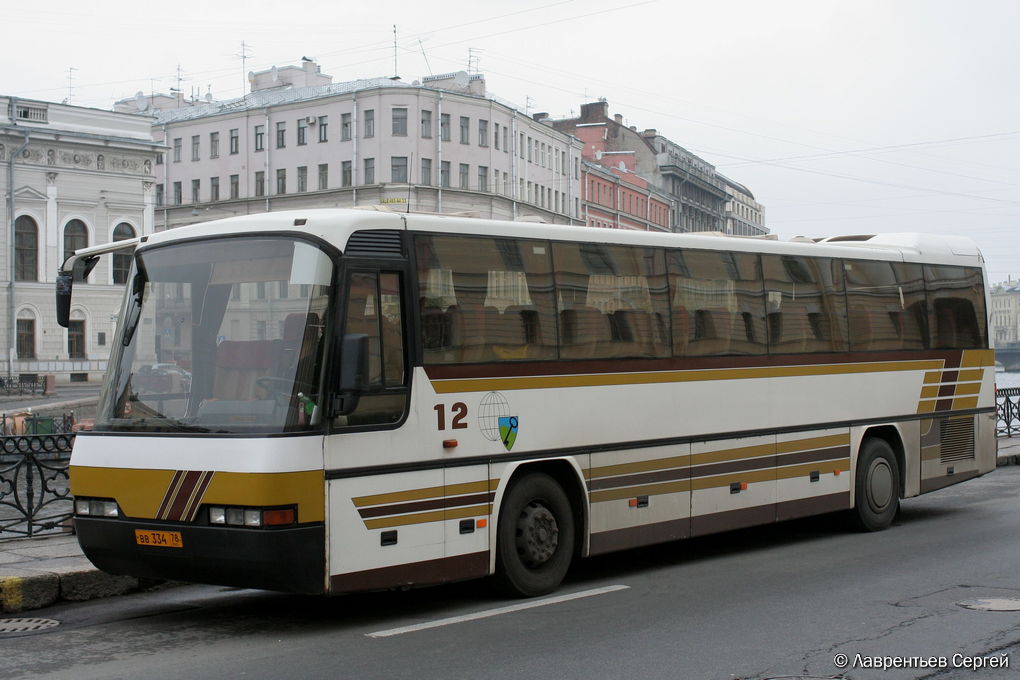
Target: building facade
{"type": "Point", "coordinates": [300, 141]}
{"type": "Point", "coordinates": [1004, 316]}
{"type": "Point", "coordinates": [697, 193]}
{"type": "Point", "coordinates": [72, 177]}
{"type": "Point", "coordinates": [743, 215]}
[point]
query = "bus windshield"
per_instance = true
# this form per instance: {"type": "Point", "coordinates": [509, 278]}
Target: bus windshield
{"type": "Point", "coordinates": [220, 336]}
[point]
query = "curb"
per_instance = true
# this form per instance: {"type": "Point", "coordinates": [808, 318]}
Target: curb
{"type": "Point", "coordinates": [68, 579]}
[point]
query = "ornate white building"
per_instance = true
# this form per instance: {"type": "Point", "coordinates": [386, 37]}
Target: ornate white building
{"type": "Point", "coordinates": [298, 140]}
{"type": "Point", "coordinates": [71, 177]}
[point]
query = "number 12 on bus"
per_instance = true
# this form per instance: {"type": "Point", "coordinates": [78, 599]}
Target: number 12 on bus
{"type": "Point", "coordinates": [331, 401]}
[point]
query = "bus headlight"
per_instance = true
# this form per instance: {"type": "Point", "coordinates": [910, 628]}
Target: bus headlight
{"type": "Point", "coordinates": [96, 507]}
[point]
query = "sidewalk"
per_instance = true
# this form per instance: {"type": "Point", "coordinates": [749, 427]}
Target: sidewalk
{"type": "Point", "coordinates": [36, 572]}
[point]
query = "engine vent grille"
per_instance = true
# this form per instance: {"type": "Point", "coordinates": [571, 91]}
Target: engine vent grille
{"type": "Point", "coordinates": [375, 244]}
{"type": "Point", "coordinates": [957, 439]}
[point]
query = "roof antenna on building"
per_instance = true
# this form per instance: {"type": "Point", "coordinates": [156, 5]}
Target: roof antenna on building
{"type": "Point", "coordinates": [424, 56]}
{"type": "Point", "coordinates": [395, 76]}
{"type": "Point", "coordinates": [70, 78]}
{"type": "Point", "coordinates": [244, 62]}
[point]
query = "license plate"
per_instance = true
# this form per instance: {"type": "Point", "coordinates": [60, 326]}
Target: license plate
{"type": "Point", "coordinates": [159, 539]}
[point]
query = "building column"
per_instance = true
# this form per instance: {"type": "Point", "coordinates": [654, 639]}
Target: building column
{"type": "Point", "coordinates": [148, 208]}
{"type": "Point", "coordinates": [50, 233]}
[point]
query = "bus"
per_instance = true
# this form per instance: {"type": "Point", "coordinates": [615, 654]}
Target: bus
{"type": "Point", "coordinates": [328, 401]}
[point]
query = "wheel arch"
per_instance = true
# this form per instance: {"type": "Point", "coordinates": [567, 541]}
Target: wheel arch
{"type": "Point", "coordinates": [894, 438]}
{"type": "Point", "coordinates": [568, 474]}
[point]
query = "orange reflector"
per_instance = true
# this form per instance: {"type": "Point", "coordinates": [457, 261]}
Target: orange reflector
{"type": "Point", "coordinates": [632, 502]}
{"type": "Point", "coordinates": [837, 472]}
{"type": "Point", "coordinates": [743, 486]}
{"type": "Point", "coordinates": [277, 517]}
{"type": "Point", "coordinates": [449, 443]}
{"type": "Point", "coordinates": [481, 523]}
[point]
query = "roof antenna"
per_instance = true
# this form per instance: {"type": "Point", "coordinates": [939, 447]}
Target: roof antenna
{"type": "Point", "coordinates": [395, 76]}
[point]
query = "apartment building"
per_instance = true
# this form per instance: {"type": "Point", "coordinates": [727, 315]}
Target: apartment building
{"type": "Point", "coordinates": [298, 140]}
{"type": "Point", "coordinates": [742, 215]}
{"type": "Point", "coordinates": [72, 177]}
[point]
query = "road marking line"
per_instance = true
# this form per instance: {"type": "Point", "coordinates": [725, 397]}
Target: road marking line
{"type": "Point", "coordinates": [495, 612]}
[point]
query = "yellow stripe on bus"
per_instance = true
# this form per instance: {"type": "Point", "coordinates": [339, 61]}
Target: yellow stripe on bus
{"type": "Point", "coordinates": [426, 493]}
{"type": "Point", "coordinates": [432, 516]}
{"type": "Point", "coordinates": [659, 377]}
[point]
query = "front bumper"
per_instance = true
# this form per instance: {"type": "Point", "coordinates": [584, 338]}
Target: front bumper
{"type": "Point", "coordinates": [289, 560]}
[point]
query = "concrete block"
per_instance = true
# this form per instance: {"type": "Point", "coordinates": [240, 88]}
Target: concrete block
{"type": "Point", "coordinates": [25, 589]}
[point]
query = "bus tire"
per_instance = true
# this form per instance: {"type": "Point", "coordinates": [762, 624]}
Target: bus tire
{"type": "Point", "coordinates": [877, 487]}
{"type": "Point", "coordinates": [535, 537]}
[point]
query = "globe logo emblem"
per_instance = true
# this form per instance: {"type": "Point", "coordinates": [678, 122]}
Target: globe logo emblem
{"type": "Point", "coordinates": [495, 420]}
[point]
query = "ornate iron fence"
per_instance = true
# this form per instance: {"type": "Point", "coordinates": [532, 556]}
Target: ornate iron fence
{"type": "Point", "coordinates": [1007, 407]}
{"type": "Point", "coordinates": [35, 496]}
{"type": "Point", "coordinates": [26, 383]}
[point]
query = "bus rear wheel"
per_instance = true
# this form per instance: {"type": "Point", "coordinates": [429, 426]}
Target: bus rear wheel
{"type": "Point", "coordinates": [535, 537]}
{"type": "Point", "coordinates": [877, 488]}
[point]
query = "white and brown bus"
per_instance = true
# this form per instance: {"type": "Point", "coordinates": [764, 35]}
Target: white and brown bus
{"type": "Point", "coordinates": [329, 401]}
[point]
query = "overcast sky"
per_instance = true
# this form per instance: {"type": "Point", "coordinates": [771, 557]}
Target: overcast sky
{"type": "Point", "coordinates": [841, 116]}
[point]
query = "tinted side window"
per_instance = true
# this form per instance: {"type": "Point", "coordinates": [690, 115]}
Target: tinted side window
{"type": "Point", "coordinates": [957, 298]}
{"type": "Point", "coordinates": [718, 303]}
{"type": "Point", "coordinates": [886, 305]}
{"type": "Point", "coordinates": [485, 299]}
{"type": "Point", "coordinates": [805, 304]}
{"type": "Point", "coordinates": [613, 301]}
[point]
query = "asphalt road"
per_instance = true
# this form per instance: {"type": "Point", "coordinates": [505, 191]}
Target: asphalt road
{"type": "Point", "coordinates": [782, 601]}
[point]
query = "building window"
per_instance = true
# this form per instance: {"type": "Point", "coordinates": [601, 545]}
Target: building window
{"type": "Point", "coordinates": [369, 171]}
{"type": "Point", "coordinates": [159, 159]}
{"type": "Point", "coordinates": [235, 186]}
{"type": "Point", "coordinates": [76, 340]}
{"type": "Point", "coordinates": [302, 179]}
{"type": "Point", "coordinates": [444, 174]}
{"type": "Point", "coordinates": [465, 130]}
{"type": "Point", "coordinates": [260, 137]}
{"type": "Point", "coordinates": [177, 149]}
{"type": "Point", "coordinates": [426, 171]}
{"type": "Point", "coordinates": [302, 132]}
{"type": "Point", "coordinates": [76, 237]}
{"type": "Point", "coordinates": [177, 193]}
{"type": "Point", "coordinates": [346, 178]}
{"type": "Point", "coordinates": [260, 183]}
{"type": "Point", "coordinates": [281, 135]}
{"type": "Point", "coordinates": [159, 195]}
{"type": "Point", "coordinates": [464, 170]}
{"type": "Point", "coordinates": [122, 261]}
{"type": "Point", "coordinates": [345, 127]}
{"type": "Point", "coordinates": [195, 147]}
{"type": "Point", "coordinates": [234, 141]}
{"type": "Point", "coordinates": [399, 122]}
{"type": "Point", "coordinates": [214, 188]}
{"type": "Point", "coordinates": [323, 176]}
{"type": "Point", "coordinates": [369, 122]}
{"type": "Point", "coordinates": [323, 127]}
{"type": "Point", "coordinates": [444, 127]}
{"type": "Point", "coordinates": [506, 142]}
{"type": "Point", "coordinates": [483, 133]}
{"type": "Point", "coordinates": [26, 249]}
{"type": "Point", "coordinates": [426, 123]}
{"type": "Point", "coordinates": [483, 178]}
{"type": "Point", "coordinates": [214, 145]}
{"type": "Point", "coordinates": [26, 338]}
{"type": "Point", "coordinates": [398, 169]}
{"type": "Point", "coordinates": [195, 187]}
{"type": "Point", "coordinates": [281, 181]}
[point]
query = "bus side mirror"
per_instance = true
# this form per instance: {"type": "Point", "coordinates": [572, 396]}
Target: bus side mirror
{"type": "Point", "coordinates": [353, 373]}
{"type": "Point", "coordinates": [65, 281]}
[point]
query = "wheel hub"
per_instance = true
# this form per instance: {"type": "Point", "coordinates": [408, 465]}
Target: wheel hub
{"type": "Point", "coordinates": [537, 535]}
{"type": "Point", "coordinates": [880, 485]}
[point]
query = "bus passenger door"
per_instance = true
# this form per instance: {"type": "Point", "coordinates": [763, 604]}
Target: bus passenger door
{"type": "Point", "coordinates": [733, 484]}
{"type": "Point", "coordinates": [385, 527]}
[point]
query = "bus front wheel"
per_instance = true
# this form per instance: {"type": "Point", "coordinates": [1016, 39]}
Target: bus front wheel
{"type": "Point", "coordinates": [535, 537]}
{"type": "Point", "coordinates": [877, 488]}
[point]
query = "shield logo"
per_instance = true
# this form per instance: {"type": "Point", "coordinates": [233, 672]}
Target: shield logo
{"type": "Point", "coordinates": [508, 431]}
